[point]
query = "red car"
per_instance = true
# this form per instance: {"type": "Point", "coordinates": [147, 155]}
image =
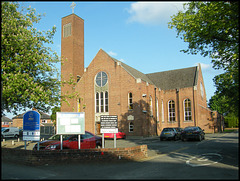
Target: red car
{"type": "Point", "coordinates": [119, 135]}
{"type": "Point", "coordinates": [88, 140]}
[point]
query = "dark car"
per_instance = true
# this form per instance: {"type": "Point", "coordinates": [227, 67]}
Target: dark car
{"type": "Point", "coordinates": [88, 140]}
{"type": "Point", "coordinates": [170, 133]}
{"type": "Point", "coordinates": [195, 133]}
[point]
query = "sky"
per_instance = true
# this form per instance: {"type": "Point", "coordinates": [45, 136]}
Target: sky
{"type": "Point", "coordinates": [135, 33]}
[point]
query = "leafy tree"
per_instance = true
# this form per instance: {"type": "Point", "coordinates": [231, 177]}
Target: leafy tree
{"type": "Point", "coordinates": [29, 75]}
{"type": "Point", "coordinates": [219, 103]}
{"type": "Point", "coordinates": [54, 111]}
{"type": "Point", "coordinates": [227, 85]}
{"type": "Point", "coordinates": [212, 29]}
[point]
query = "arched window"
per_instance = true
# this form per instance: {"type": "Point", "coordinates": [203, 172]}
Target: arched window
{"type": "Point", "coordinates": [157, 110]}
{"type": "Point", "coordinates": [151, 106]}
{"type": "Point", "coordinates": [187, 110]}
{"type": "Point", "coordinates": [171, 111]}
{"type": "Point", "coordinates": [131, 127]}
{"type": "Point", "coordinates": [130, 101]}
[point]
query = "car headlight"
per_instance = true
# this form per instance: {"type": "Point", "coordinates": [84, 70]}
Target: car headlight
{"type": "Point", "coordinates": [51, 147]}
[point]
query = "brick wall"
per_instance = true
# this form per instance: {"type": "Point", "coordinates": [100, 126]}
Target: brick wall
{"type": "Point", "coordinates": [41, 157]}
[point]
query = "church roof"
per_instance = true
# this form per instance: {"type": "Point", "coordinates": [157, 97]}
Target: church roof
{"type": "Point", "coordinates": [172, 79]}
{"type": "Point", "coordinates": [135, 73]}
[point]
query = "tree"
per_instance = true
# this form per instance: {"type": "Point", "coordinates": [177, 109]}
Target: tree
{"type": "Point", "coordinates": [54, 114]}
{"type": "Point", "coordinates": [29, 76]}
{"type": "Point", "coordinates": [212, 29]}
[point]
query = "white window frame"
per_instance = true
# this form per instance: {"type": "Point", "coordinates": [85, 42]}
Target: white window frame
{"type": "Point", "coordinates": [151, 105]}
{"type": "Point", "coordinates": [103, 104]}
{"type": "Point", "coordinates": [187, 113]}
{"type": "Point", "coordinates": [171, 114]}
{"type": "Point", "coordinates": [157, 110]}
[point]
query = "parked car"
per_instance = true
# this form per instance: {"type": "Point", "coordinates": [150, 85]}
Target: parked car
{"type": "Point", "coordinates": [193, 133]}
{"type": "Point", "coordinates": [170, 133]}
{"type": "Point", "coordinates": [10, 132]}
{"type": "Point", "coordinates": [119, 135]}
{"type": "Point", "coordinates": [88, 140]}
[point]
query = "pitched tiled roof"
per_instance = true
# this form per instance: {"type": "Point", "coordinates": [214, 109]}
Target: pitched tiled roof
{"type": "Point", "coordinates": [5, 119]}
{"type": "Point", "coordinates": [135, 73]}
{"type": "Point", "coordinates": [43, 116]}
{"type": "Point", "coordinates": [174, 79]}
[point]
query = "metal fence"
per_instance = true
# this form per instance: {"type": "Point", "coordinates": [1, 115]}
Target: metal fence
{"type": "Point", "coordinates": [47, 130]}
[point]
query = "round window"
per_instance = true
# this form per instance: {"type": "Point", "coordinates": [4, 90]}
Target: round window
{"type": "Point", "coordinates": [101, 79]}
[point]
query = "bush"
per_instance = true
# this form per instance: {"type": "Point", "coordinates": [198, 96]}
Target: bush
{"type": "Point", "coordinates": [231, 121]}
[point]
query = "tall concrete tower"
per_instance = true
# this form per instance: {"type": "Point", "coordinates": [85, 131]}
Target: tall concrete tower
{"type": "Point", "coordinates": [72, 54]}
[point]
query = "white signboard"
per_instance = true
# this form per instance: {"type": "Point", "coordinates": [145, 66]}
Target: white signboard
{"type": "Point", "coordinates": [109, 124]}
{"type": "Point", "coordinates": [70, 123]}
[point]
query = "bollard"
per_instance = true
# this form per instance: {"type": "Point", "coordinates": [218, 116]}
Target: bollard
{"type": "Point", "coordinates": [18, 139]}
{"type": "Point", "coordinates": [12, 142]}
{"type": "Point", "coordinates": [3, 140]}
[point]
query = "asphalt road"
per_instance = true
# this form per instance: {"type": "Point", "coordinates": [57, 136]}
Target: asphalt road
{"type": "Point", "coordinates": [216, 157]}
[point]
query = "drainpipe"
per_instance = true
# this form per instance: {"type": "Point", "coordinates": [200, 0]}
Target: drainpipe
{"type": "Point", "coordinates": [156, 109]}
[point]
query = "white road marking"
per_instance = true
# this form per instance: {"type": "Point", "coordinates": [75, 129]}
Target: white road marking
{"type": "Point", "coordinates": [204, 160]}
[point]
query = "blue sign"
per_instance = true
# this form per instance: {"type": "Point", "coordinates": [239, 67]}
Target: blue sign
{"type": "Point", "coordinates": [31, 126]}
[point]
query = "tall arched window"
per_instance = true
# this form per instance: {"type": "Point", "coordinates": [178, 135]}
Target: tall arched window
{"type": "Point", "coordinates": [187, 110]}
{"type": "Point", "coordinates": [151, 106]}
{"type": "Point", "coordinates": [171, 111]}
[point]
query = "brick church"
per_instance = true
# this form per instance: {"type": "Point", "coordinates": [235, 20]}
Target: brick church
{"type": "Point", "coordinates": [144, 103]}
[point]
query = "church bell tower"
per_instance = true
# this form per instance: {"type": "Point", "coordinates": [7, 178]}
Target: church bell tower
{"type": "Point", "coordinates": [72, 54]}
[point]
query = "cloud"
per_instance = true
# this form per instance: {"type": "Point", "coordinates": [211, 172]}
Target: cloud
{"type": "Point", "coordinates": [205, 66]}
{"type": "Point", "coordinates": [111, 53]}
{"type": "Point", "coordinates": [154, 13]}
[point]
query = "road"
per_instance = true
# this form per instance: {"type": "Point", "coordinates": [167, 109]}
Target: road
{"type": "Point", "coordinates": [216, 157]}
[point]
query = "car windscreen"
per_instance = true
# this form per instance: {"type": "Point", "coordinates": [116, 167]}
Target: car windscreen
{"type": "Point", "coordinates": [167, 129]}
{"type": "Point", "coordinates": [2, 129]}
{"type": "Point", "coordinates": [57, 137]}
{"type": "Point", "coordinates": [191, 129]}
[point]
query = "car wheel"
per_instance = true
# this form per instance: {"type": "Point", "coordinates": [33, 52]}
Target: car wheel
{"type": "Point", "coordinates": [175, 138]}
{"type": "Point", "coordinates": [16, 136]}
{"type": "Point", "coordinates": [199, 138]}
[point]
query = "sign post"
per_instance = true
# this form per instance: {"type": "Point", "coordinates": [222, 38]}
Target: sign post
{"type": "Point", "coordinates": [109, 124]}
{"type": "Point", "coordinates": [31, 127]}
{"type": "Point", "coordinates": [71, 123]}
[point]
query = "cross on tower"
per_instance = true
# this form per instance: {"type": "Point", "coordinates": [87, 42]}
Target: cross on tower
{"type": "Point", "coordinates": [72, 6]}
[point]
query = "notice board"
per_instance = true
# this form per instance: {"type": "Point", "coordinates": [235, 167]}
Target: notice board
{"type": "Point", "coordinates": [109, 123]}
{"type": "Point", "coordinates": [31, 126]}
{"type": "Point", "coordinates": [70, 123]}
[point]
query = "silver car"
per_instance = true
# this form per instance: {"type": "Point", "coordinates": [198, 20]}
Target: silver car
{"type": "Point", "coordinates": [170, 133]}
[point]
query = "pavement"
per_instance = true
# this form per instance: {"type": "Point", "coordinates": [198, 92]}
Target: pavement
{"type": "Point", "coordinates": [129, 142]}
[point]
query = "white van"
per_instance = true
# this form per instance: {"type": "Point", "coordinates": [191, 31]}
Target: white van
{"type": "Point", "coordinates": [10, 132]}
